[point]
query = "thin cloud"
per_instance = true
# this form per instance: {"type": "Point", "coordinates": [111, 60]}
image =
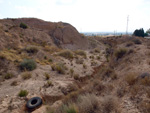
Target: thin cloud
{"type": "Point", "coordinates": [65, 2]}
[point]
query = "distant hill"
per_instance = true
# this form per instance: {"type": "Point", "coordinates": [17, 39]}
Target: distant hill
{"type": "Point", "coordinates": [41, 32]}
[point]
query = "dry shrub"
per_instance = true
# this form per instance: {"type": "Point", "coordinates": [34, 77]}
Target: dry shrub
{"type": "Point", "coordinates": [8, 76]}
{"type": "Point", "coordinates": [96, 50]}
{"type": "Point", "coordinates": [131, 78]}
{"type": "Point", "coordinates": [69, 88]}
{"type": "Point", "coordinates": [51, 49]}
{"type": "Point", "coordinates": [87, 103]}
{"type": "Point", "coordinates": [14, 83]}
{"type": "Point", "coordinates": [110, 105]}
{"type": "Point", "coordinates": [67, 108]}
{"type": "Point", "coordinates": [121, 92]}
{"type": "Point", "coordinates": [145, 81]}
{"type": "Point", "coordinates": [81, 53]}
{"type": "Point", "coordinates": [134, 90]}
{"type": "Point", "coordinates": [71, 97]}
{"type": "Point", "coordinates": [32, 49]}
{"type": "Point", "coordinates": [66, 54]}
{"type": "Point", "coordinates": [26, 75]}
{"type": "Point", "coordinates": [48, 84]}
{"type": "Point", "coordinates": [76, 76]}
{"type": "Point", "coordinates": [79, 61]}
{"type": "Point", "coordinates": [59, 67]}
{"type": "Point", "coordinates": [49, 99]}
{"type": "Point", "coordinates": [47, 76]}
{"type": "Point", "coordinates": [145, 107]}
{"type": "Point", "coordinates": [107, 72]}
{"type": "Point", "coordinates": [97, 87]}
{"type": "Point", "coordinates": [120, 53]}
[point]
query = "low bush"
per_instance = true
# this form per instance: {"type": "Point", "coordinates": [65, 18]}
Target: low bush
{"type": "Point", "coordinates": [66, 54]}
{"type": "Point", "coordinates": [23, 93]}
{"type": "Point", "coordinates": [120, 53]}
{"type": "Point", "coordinates": [28, 64]}
{"type": "Point", "coordinates": [23, 25]}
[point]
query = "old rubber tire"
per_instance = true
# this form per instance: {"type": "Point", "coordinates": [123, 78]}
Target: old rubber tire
{"type": "Point", "coordinates": [34, 103]}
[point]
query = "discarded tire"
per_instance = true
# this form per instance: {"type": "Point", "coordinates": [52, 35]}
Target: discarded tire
{"type": "Point", "coordinates": [34, 103]}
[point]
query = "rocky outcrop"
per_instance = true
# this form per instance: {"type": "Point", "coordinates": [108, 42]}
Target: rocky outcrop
{"type": "Point", "coordinates": [60, 34]}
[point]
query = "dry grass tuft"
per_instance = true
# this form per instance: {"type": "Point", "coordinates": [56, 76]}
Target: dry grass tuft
{"type": "Point", "coordinates": [26, 75]}
{"type": "Point", "coordinates": [66, 54]}
{"type": "Point", "coordinates": [59, 67]}
{"type": "Point", "coordinates": [131, 78]}
{"type": "Point", "coordinates": [87, 103]}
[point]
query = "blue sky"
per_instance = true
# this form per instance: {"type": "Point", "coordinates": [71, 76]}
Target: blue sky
{"type": "Point", "coordinates": [85, 15]}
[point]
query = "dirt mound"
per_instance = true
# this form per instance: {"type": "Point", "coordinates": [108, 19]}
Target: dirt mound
{"type": "Point", "coordinates": [41, 32]}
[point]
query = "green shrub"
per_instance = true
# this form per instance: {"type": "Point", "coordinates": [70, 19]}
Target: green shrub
{"type": "Point", "coordinates": [66, 54]}
{"type": "Point", "coordinates": [120, 53]}
{"type": "Point", "coordinates": [23, 93]}
{"type": "Point", "coordinates": [28, 64]}
{"type": "Point", "coordinates": [8, 76]}
{"type": "Point", "coordinates": [26, 75]}
{"type": "Point", "coordinates": [24, 26]}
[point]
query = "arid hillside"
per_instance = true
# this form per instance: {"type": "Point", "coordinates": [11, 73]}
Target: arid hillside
{"type": "Point", "coordinates": [37, 31]}
{"type": "Point", "coordinates": [71, 73]}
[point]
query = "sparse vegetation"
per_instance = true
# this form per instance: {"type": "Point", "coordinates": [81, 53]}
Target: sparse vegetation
{"type": "Point", "coordinates": [28, 64]}
{"type": "Point", "coordinates": [23, 93]}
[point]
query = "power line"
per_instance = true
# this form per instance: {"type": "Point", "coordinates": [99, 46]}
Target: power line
{"type": "Point", "coordinates": [127, 25]}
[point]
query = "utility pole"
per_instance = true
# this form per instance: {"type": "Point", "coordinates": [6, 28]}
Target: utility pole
{"type": "Point", "coordinates": [127, 25]}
